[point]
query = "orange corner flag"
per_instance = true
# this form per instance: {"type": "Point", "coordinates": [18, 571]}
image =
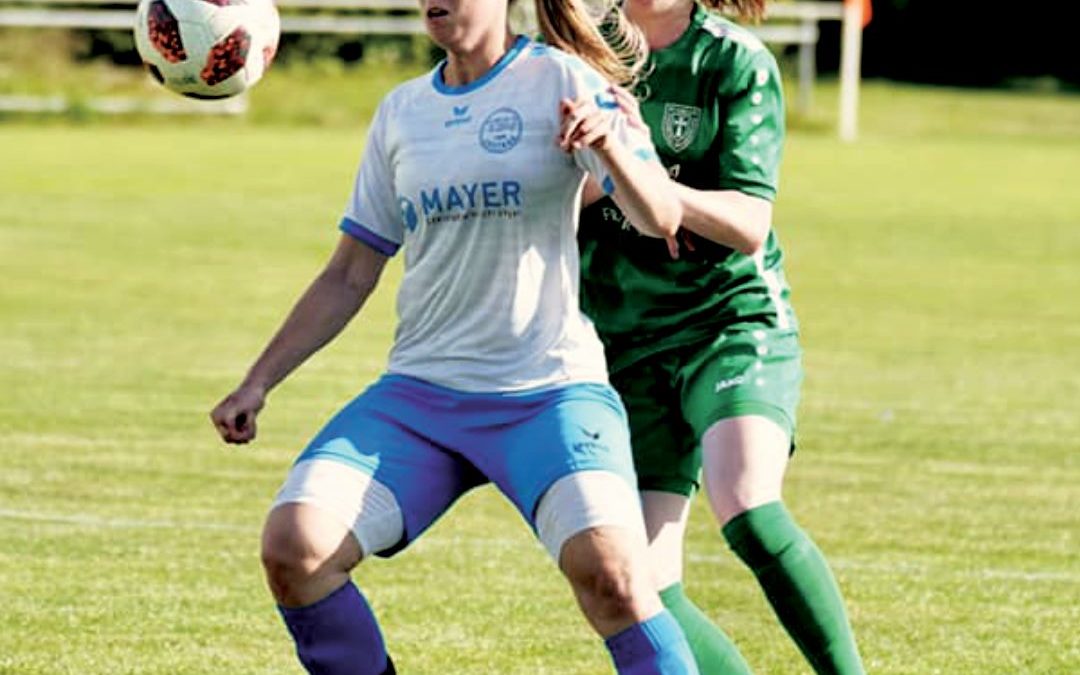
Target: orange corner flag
{"type": "Point", "coordinates": [867, 10]}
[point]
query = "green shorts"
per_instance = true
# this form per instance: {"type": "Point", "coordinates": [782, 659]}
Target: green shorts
{"type": "Point", "coordinates": [673, 397]}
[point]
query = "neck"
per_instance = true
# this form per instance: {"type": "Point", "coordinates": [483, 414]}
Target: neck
{"type": "Point", "coordinates": [662, 23]}
{"type": "Point", "coordinates": [469, 64]}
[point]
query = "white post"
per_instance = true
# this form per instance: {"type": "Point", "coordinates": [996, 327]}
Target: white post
{"type": "Point", "coordinates": [850, 71]}
{"type": "Point", "coordinates": [807, 69]}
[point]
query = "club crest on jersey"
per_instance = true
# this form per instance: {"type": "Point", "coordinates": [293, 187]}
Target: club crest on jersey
{"type": "Point", "coordinates": [501, 131]}
{"type": "Point", "coordinates": [680, 125]}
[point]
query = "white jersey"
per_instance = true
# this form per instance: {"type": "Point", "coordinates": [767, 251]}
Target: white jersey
{"type": "Point", "coordinates": [470, 181]}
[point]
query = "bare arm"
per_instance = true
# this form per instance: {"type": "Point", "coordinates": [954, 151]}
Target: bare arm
{"type": "Point", "coordinates": [642, 189]}
{"type": "Point", "coordinates": [728, 217]}
{"type": "Point", "coordinates": [325, 308]}
{"type": "Point", "coordinates": [592, 192]}
{"type": "Point", "coordinates": [643, 192]}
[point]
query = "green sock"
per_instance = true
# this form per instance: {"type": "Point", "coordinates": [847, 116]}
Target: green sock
{"type": "Point", "coordinates": [713, 650]}
{"type": "Point", "coordinates": [799, 585]}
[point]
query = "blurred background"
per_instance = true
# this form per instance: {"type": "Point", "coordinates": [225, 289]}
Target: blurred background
{"type": "Point", "coordinates": [970, 43]}
{"type": "Point", "coordinates": [958, 43]}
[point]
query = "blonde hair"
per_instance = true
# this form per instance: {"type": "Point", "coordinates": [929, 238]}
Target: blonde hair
{"type": "Point", "coordinates": [752, 10]}
{"type": "Point", "coordinates": [603, 38]}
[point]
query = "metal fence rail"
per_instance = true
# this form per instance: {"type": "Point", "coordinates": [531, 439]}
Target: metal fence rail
{"type": "Point", "coordinates": [795, 24]}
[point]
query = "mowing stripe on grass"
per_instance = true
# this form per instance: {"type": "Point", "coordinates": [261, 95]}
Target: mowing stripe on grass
{"type": "Point", "coordinates": [496, 543]}
{"type": "Point", "coordinates": [118, 523]}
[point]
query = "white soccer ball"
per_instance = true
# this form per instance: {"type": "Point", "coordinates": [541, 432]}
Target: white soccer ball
{"type": "Point", "coordinates": [207, 48]}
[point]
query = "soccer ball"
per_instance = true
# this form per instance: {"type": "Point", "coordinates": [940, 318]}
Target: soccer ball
{"type": "Point", "coordinates": [207, 48]}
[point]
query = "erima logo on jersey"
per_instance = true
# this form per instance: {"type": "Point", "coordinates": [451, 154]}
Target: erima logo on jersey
{"type": "Point", "coordinates": [487, 199]}
{"type": "Point", "coordinates": [460, 116]}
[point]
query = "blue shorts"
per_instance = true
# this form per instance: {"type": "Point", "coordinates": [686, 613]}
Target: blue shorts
{"type": "Point", "coordinates": [429, 444]}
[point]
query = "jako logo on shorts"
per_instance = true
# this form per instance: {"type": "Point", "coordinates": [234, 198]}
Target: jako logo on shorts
{"type": "Point", "coordinates": [501, 131]}
{"type": "Point", "coordinates": [729, 383]}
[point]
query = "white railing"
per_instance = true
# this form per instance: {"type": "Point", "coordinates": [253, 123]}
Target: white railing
{"type": "Point", "coordinates": [795, 23]}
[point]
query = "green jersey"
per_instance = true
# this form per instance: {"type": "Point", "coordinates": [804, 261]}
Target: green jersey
{"type": "Point", "coordinates": [714, 102]}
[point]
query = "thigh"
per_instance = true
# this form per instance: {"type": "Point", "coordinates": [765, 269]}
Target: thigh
{"type": "Point", "coordinates": [742, 372]}
{"type": "Point", "coordinates": [745, 461]}
{"type": "Point", "coordinates": [740, 393]}
{"type": "Point", "coordinates": [666, 453]}
{"type": "Point", "coordinates": [666, 516]}
{"type": "Point", "coordinates": [385, 438]}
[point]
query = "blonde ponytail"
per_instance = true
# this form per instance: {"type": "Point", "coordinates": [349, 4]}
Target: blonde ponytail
{"type": "Point", "coordinates": [604, 39]}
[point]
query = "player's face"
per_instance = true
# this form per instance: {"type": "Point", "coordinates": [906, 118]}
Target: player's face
{"type": "Point", "coordinates": [461, 25]}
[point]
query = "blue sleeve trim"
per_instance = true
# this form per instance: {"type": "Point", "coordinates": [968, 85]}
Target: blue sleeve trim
{"type": "Point", "coordinates": [608, 185]}
{"type": "Point", "coordinates": [365, 236]}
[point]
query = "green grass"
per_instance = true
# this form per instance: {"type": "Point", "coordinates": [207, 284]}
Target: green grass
{"type": "Point", "coordinates": [935, 271]}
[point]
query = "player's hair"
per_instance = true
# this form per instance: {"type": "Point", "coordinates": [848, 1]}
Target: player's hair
{"type": "Point", "coordinates": [753, 10]}
{"type": "Point", "coordinates": [604, 38]}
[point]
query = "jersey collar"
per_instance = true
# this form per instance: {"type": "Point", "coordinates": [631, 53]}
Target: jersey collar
{"type": "Point", "coordinates": [442, 87]}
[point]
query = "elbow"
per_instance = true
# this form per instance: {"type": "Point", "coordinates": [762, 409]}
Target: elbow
{"type": "Point", "coordinates": [660, 219]}
{"type": "Point", "coordinates": [360, 285]}
{"type": "Point", "coordinates": [754, 233]}
{"type": "Point", "coordinates": [669, 219]}
{"type": "Point", "coordinates": [753, 242]}
{"type": "Point", "coordinates": [348, 283]}
{"type": "Point", "coordinates": [667, 215]}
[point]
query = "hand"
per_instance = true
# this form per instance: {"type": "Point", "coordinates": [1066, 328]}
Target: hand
{"type": "Point", "coordinates": [630, 107]}
{"type": "Point", "coordinates": [235, 416]}
{"type": "Point", "coordinates": [673, 243]}
{"type": "Point", "coordinates": [583, 125]}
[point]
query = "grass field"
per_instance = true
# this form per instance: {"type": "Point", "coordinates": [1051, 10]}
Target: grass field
{"type": "Point", "coordinates": [935, 268]}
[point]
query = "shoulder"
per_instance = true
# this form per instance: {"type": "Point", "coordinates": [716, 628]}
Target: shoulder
{"type": "Point", "coordinates": [733, 50]}
{"type": "Point", "coordinates": [729, 34]}
{"type": "Point", "coordinates": [408, 94]}
{"type": "Point", "coordinates": [566, 67]}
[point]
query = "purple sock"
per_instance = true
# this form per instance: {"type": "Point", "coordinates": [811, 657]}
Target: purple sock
{"type": "Point", "coordinates": [338, 635]}
{"type": "Point", "coordinates": [655, 646]}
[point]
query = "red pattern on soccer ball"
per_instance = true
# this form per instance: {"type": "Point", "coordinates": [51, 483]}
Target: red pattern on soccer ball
{"type": "Point", "coordinates": [227, 57]}
{"type": "Point", "coordinates": [164, 32]}
{"type": "Point", "coordinates": [268, 56]}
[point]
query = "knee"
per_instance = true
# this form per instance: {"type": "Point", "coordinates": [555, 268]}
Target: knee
{"type": "Point", "coordinates": [287, 564]}
{"type": "Point", "coordinates": [301, 562]}
{"type": "Point", "coordinates": [610, 586]}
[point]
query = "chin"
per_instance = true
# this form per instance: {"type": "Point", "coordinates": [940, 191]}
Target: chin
{"type": "Point", "coordinates": [444, 36]}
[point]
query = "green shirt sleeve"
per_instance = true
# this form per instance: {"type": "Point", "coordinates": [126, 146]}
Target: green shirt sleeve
{"type": "Point", "coordinates": [752, 129]}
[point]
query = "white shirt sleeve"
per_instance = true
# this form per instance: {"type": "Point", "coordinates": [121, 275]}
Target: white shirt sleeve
{"type": "Point", "coordinates": [372, 214]}
{"type": "Point", "coordinates": [586, 82]}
